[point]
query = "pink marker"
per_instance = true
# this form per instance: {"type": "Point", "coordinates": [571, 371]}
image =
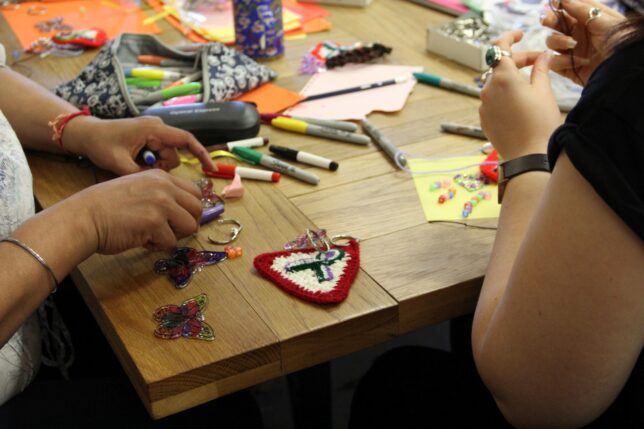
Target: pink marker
{"type": "Point", "coordinates": [184, 99]}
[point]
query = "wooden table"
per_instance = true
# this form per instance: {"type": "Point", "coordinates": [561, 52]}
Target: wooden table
{"type": "Point", "coordinates": [413, 274]}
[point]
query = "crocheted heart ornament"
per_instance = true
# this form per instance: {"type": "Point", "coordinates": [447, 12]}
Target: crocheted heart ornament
{"type": "Point", "coordinates": [322, 276]}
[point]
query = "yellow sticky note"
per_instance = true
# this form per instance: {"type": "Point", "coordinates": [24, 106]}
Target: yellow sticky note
{"type": "Point", "coordinates": [427, 172]}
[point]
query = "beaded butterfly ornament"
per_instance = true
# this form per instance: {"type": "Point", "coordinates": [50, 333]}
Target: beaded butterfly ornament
{"type": "Point", "coordinates": [185, 320]}
{"type": "Point", "coordinates": [321, 274]}
{"type": "Point", "coordinates": [186, 261]}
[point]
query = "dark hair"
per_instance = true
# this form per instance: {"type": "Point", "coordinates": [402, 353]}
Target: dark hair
{"type": "Point", "coordinates": [626, 32]}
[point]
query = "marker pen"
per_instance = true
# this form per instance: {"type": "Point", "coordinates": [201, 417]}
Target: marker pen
{"type": "Point", "coordinates": [146, 157]}
{"type": "Point", "coordinates": [435, 80]}
{"type": "Point", "coordinates": [252, 142]}
{"type": "Point", "coordinates": [340, 125]}
{"type": "Point", "coordinates": [302, 127]}
{"type": "Point", "coordinates": [465, 130]}
{"type": "Point", "coordinates": [304, 157]}
{"type": "Point", "coordinates": [150, 73]}
{"type": "Point", "coordinates": [190, 78]}
{"type": "Point", "coordinates": [385, 144]}
{"type": "Point", "coordinates": [211, 212]}
{"type": "Point", "coordinates": [254, 157]}
{"type": "Point", "coordinates": [156, 60]}
{"type": "Point", "coordinates": [165, 94]}
{"type": "Point", "coordinates": [141, 82]}
{"type": "Point", "coordinates": [183, 99]}
{"type": "Point", "coordinates": [228, 171]}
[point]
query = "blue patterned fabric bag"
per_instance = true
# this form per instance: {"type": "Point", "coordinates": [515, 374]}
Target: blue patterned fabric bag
{"type": "Point", "coordinates": [101, 85]}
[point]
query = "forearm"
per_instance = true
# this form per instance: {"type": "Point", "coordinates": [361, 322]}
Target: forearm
{"type": "Point", "coordinates": [29, 107]}
{"type": "Point", "coordinates": [62, 237]}
{"type": "Point", "coordinates": [522, 196]}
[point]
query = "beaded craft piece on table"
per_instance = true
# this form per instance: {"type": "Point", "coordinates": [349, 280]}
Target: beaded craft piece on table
{"type": "Point", "coordinates": [316, 274]}
{"type": "Point", "coordinates": [185, 320]}
{"type": "Point", "coordinates": [186, 261]}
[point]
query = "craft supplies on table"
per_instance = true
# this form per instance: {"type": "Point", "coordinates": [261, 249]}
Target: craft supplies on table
{"type": "Point", "coordinates": [464, 40]}
{"type": "Point", "coordinates": [77, 14]}
{"type": "Point", "coordinates": [356, 105]}
{"type": "Point", "coordinates": [447, 187]}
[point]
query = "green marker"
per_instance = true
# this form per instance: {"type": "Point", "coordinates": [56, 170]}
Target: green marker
{"type": "Point", "coordinates": [165, 94]}
{"type": "Point", "coordinates": [435, 80]}
{"type": "Point", "coordinates": [142, 82]}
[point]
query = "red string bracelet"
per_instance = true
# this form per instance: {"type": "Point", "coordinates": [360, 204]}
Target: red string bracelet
{"type": "Point", "coordinates": [58, 124]}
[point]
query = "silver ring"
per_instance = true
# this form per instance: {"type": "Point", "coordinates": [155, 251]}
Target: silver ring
{"type": "Point", "coordinates": [593, 14]}
{"type": "Point", "coordinates": [486, 75]}
{"type": "Point", "coordinates": [494, 54]}
{"type": "Point", "coordinates": [234, 232]}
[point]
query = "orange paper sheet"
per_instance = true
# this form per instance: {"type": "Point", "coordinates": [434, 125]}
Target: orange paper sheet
{"type": "Point", "coordinates": [271, 98]}
{"type": "Point", "coordinates": [79, 14]}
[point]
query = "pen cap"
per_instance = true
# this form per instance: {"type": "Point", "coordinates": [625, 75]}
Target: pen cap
{"type": "Point", "coordinates": [248, 154]}
{"type": "Point", "coordinates": [226, 170]}
{"type": "Point", "coordinates": [290, 124]}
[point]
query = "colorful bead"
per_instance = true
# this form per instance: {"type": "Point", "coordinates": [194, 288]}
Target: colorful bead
{"type": "Point", "coordinates": [233, 252]}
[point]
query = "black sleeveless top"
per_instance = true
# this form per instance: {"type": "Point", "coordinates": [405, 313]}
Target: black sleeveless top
{"type": "Point", "coordinates": [604, 139]}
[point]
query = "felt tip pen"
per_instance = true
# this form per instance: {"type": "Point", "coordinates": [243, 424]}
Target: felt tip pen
{"type": "Point", "coordinates": [254, 157]}
{"type": "Point", "coordinates": [141, 82]}
{"type": "Point", "coordinates": [183, 99]}
{"type": "Point", "coordinates": [252, 142]}
{"type": "Point", "coordinates": [303, 157]}
{"type": "Point", "coordinates": [165, 94]}
{"type": "Point", "coordinates": [190, 78]}
{"type": "Point", "coordinates": [385, 144]}
{"type": "Point", "coordinates": [302, 127]}
{"type": "Point", "coordinates": [146, 157]}
{"type": "Point", "coordinates": [151, 73]}
{"type": "Point", "coordinates": [340, 125]}
{"type": "Point", "coordinates": [441, 82]}
{"type": "Point", "coordinates": [464, 130]}
{"type": "Point", "coordinates": [156, 60]}
{"type": "Point", "coordinates": [228, 171]}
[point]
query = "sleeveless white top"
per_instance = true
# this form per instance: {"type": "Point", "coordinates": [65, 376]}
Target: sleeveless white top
{"type": "Point", "coordinates": [20, 356]}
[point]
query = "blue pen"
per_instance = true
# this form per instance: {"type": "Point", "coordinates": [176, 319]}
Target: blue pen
{"type": "Point", "coordinates": [147, 156]}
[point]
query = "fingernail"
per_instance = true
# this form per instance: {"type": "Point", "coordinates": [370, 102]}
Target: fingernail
{"type": "Point", "coordinates": [542, 17]}
{"type": "Point", "coordinates": [571, 43]}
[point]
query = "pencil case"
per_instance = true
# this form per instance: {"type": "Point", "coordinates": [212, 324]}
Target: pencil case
{"type": "Point", "coordinates": [212, 122]}
{"type": "Point", "coordinates": [102, 85]}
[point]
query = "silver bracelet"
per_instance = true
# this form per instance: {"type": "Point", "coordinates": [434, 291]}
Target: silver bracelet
{"type": "Point", "coordinates": [38, 258]}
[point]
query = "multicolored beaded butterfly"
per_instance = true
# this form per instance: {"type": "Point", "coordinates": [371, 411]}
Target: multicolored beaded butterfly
{"type": "Point", "coordinates": [184, 262]}
{"type": "Point", "coordinates": [185, 320]}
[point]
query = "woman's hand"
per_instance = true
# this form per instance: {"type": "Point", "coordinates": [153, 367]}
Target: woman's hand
{"type": "Point", "coordinates": [152, 209]}
{"type": "Point", "coordinates": [114, 144]}
{"type": "Point", "coordinates": [517, 115]}
{"type": "Point", "coordinates": [584, 36]}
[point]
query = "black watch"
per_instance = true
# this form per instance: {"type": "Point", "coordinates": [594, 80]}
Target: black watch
{"type": "Point", "coordinates": [520, 165]}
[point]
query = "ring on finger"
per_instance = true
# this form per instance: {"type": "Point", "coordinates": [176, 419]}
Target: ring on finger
{"type": "Point", "coordinates": [494, 54]}
{"type": "Point", "coordinates": [486, 75]}
{"type": "Point", "coordinates": [593, 14]}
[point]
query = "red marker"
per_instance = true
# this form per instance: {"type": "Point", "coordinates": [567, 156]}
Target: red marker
{"type": "Point", "coordinates": [228, 171]}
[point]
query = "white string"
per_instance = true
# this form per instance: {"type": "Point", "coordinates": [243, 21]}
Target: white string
{"type": "Point", "coordinates": [401, 155]}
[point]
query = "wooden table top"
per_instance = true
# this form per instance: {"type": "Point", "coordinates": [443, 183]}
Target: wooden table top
{"type": "Point", "coordinates": [413, 273]}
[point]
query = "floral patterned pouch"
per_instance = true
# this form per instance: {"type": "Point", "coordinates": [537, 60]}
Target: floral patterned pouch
{"type": "Point", "coordinates": [101, 85]}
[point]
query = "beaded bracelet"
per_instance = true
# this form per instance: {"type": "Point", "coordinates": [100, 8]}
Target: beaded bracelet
{"type": "Point", "coordinates": [36, 256]}
{"type": "Point", "coordinates": [59, 123]}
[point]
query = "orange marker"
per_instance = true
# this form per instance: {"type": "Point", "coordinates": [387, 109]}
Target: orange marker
{"type": "Point", "coordinates": [156, 60]}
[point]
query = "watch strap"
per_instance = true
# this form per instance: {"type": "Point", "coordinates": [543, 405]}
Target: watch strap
{"type": "Point", "coordinates": [520, 165]}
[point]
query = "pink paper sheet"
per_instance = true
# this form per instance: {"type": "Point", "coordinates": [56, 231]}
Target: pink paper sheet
{"type": "Point", "coordinates": [356, 105]}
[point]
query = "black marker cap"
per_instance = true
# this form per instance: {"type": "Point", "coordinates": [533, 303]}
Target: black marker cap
{"type": "Point", "coordinates": [284, 152]}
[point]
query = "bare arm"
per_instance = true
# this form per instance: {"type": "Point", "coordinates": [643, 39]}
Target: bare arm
{"type": "Point", "coordinates": [161, 209]}
{"type": "Point", "coordinates": [110, 144]}
{"type": "Point", "coordinates": [559, 324]}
